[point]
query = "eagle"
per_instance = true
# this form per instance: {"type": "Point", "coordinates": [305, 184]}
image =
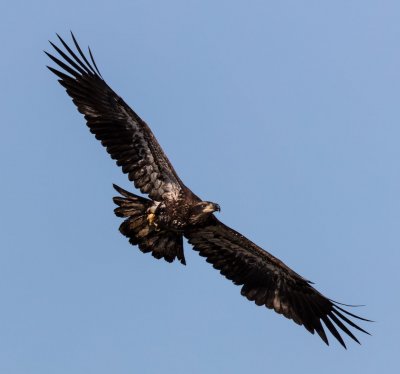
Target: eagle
{"type": "Point", "coordinates": [158, 224]}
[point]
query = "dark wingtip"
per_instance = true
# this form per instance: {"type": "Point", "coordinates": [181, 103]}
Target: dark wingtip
{"type": "Point", "coordinates": [94, 62]}
{"type": "Point", "coordinates": [353, 315]}
{"type": "Point", "coordinates": [348, 305]}
{"type": "Point", "coordinates": [324, 339]}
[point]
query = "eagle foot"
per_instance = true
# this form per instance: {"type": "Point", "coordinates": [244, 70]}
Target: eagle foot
{"type": "Point", "coordinates": [151, 217]}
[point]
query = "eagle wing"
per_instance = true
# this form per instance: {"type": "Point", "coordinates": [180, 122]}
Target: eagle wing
{"type": "Point", "coordinates": [125, 135]}
{"type": "Point", "coordinates": [268, 281]}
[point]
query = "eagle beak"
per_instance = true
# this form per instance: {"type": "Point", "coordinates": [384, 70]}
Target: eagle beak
{"type": "Point", "coordinates": [211, 207]}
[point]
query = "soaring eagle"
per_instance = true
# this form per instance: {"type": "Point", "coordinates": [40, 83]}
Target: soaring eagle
{"type": "Point", "coordinates": [158, 224]}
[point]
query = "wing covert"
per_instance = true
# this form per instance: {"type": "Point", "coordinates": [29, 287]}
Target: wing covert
{"type": "Point", "coordinates": [125, 135]}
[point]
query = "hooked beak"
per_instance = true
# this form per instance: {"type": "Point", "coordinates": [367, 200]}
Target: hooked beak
{"type": "Point", "coordinates": [211, 207]}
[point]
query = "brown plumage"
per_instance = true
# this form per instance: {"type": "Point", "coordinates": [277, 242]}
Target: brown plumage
{"type": "Point", "coordinates": [157, 225]}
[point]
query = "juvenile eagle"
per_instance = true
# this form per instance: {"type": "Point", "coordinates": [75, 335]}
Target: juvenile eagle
{"type": "Point", "coordinates": [158, 224]}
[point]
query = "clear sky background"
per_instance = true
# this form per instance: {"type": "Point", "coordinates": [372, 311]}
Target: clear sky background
{"type": "Point", "coordinates": [286, 113]}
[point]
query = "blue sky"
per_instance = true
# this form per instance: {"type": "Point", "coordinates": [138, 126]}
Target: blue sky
{"type": "Point", "coordinates": [285, 113]}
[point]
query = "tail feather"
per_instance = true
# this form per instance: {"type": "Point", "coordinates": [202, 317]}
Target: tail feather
{"type": "Point", "coordinates": [130, 205]}
{"type": "Point", "coordinates": [136, 227]}
{"type": "Point", "coordinates": [167, 245]}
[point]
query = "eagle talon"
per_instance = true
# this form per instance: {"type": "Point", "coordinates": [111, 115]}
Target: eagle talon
{"type": "Point", "coordinates": [151, 218]}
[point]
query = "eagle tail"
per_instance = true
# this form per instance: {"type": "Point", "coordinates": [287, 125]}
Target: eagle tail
{"type": "Point", "coordinates": [136, 227]}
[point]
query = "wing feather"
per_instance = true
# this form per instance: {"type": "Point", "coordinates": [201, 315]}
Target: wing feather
{"type": "Point", "coordinates": [125, 135]}
{"type": "Point", "coordinates": [268, 281]}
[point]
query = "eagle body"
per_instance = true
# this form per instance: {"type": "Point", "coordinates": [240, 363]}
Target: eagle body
{"type": "Point", "coordinates": [158, 224]}
{"type": "Point", "coordinates": [183, 213]}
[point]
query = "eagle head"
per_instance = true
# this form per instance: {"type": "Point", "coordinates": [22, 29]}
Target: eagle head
{"type": "Point", "coordinates": [202, 210]}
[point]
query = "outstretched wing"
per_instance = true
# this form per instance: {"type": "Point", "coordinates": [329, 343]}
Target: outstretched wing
{"type": "Point", "coordinates": [125, 135]}
{"type": "Point", "coordinates": [268, 281]}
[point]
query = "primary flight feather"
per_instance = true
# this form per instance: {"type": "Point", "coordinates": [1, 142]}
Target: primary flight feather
{"type": "Point", "coordinates": [158, 224]}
